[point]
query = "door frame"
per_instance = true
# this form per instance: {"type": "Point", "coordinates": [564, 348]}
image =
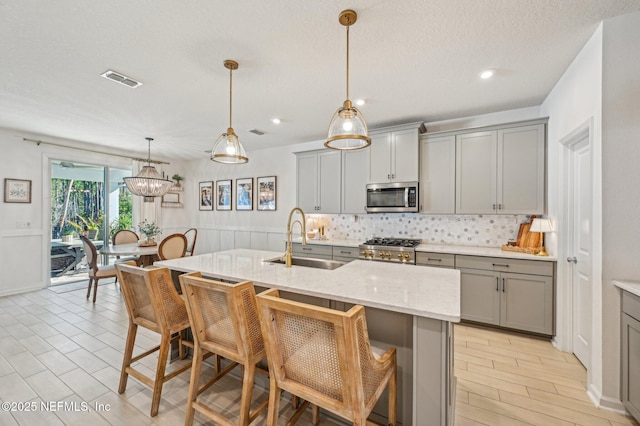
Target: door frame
{"type": "Point", "coordinates": [565, 307]}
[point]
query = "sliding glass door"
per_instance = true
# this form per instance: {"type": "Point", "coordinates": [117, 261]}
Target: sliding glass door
{"type": "Point", "coordinates": [86, 199]}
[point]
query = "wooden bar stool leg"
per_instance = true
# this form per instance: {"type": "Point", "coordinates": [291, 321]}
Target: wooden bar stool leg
{"type": "Point", "coordinates": [315, 415]}
{"type": "Point", "coordinates": [128, 353]}
{"type": "Point", "coordinates": [247, 389]}
{"type": "Point", "coordinates": [274, 402]}
{"type": "Point", "coordinates": [163, 354]}
{"type": "Point", "coordinates": [194, 382]}
{"type": "Point", "coordinates": [393, 391]}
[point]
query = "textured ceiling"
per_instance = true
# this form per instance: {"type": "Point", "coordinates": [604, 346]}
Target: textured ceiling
{"type": "Point", "coordinates": [410, 60]}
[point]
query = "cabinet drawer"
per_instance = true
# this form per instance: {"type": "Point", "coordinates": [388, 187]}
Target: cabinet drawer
{"type": "Point", "coordinates": [435, 259]}
{"type": "Point", "coordinates": [631, 305]}
{"type": "Point", "coordinates": [310, 250]}
{"type": "Point", "coordinates": [501, 264]}
{"type": "Point", "coordinates": [350, 252]}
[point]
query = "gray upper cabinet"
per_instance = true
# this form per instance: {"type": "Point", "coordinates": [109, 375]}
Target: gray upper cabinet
{"type": "Point", "coordinates": [394, 154]}
{"type": "Point", "coordinates": [355, 172]}
{"type": "Point", "coordinates": [437, 174]}
{"type": "Point", "coordinates": [318, 181]}
{"type": "Point", "coordinates": [501, 171]}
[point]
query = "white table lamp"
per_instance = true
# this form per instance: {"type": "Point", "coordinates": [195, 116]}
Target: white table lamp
{"type": "Point", "coordinates": [541, 226]}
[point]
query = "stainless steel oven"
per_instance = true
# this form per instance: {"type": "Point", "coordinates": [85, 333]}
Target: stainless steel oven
{"type": "Point", "coordinates": [395, 197]}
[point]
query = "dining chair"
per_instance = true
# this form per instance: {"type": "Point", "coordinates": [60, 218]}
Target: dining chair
{"type": "Point", "coordinates": [224, 320]}
{"type": "Point", "coordinates": [172, 247]}
{"type": "Point", "coordinates": [191, 234]}
{"type": "Point", "coordinates": [324, 357]}
{"type": "Point", "coordinates": [125, 236]}
{"type": "Point", "coordinates": [96, 272]}
{"type": "Point", "coordinates": [153, 303]}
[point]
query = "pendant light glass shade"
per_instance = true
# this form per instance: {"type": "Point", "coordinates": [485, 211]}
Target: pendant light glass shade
{"type": "Point", "coordinates": [348, 129]}
{"type": "Point", "coordinates": [228, 149]}
{"type": "Point", "coordinates": [148, 183]}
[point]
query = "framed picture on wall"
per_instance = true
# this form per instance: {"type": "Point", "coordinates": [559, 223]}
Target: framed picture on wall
{"type": "Point", "coordinates": [266, 193]}
{"type": "Point", "coordinates": [206, 195]}
{"type": "Point", "coordinates": [223, 194]}
{"type": "Point", "coordinates": [244, 194]}
{"type": "Point", "coordinates": [17, 191]}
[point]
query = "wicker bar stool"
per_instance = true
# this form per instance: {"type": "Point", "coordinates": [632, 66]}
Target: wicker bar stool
{"type": "Point", "coordinates": [324, 357]}
{"type": "Point", "coordinates": [153, 303]}
{"type": "Point", "coordinates": [224, 321]}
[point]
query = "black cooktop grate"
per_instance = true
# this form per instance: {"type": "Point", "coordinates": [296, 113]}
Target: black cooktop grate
{"type": "Point", "coordinates": [392, 242]}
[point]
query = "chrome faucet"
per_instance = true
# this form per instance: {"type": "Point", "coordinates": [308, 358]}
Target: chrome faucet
{"type": "Point", "coordinates": [303, 231]}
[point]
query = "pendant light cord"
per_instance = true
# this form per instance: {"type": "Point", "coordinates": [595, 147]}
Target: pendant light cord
{"type": "Point", "coordinates": [149, 151]}
{"type": "Point", "coordinates": [348, 62]}
{"type": "Point", "coordinates": [230, 96]}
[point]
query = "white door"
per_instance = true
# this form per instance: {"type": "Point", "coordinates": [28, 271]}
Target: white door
{"type": "Point", "coordinates": [580, 260]}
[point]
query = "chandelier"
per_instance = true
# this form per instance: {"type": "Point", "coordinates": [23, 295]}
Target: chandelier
{"type": "Point", "coordinates": [148, 183]}
{"type": "Point", "coordinates": [228, 148]}
{"type": "Point", "coordinates": [347, 129]}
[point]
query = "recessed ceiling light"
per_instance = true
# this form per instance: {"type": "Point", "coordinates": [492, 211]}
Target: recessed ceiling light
{"type": "Point", "coordinates": [360, 102]}
{"type": "Point", "coordinates": [487, 74]}
{"type": "Point", "coordinates": [275, 121]}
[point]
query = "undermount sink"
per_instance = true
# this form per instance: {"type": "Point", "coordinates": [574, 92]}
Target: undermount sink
{"type": "Point", "coordinates": [309, 262]}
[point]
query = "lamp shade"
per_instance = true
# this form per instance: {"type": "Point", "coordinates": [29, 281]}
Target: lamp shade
{"type": "Point", "coordinates": [348, 129]}
{"type": "Point", "coordinates": [228, 149]}
{"type": "Point", "coordinates": [148, 183]}
{"type": "Point", "coordinates": [541, 225]}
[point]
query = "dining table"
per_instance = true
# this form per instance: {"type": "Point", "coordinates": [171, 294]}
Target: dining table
{"type": "Point", "coordinates": [147, 254]}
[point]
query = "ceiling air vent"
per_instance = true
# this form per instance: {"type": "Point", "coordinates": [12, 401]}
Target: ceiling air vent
{"type": "Point", "coordinates": [121, 78]}
{"type": "Point", "coordinates": [256, 132]}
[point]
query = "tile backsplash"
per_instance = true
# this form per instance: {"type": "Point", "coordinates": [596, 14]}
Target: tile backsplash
{"type": "Point", "coordinates": [472, 230]}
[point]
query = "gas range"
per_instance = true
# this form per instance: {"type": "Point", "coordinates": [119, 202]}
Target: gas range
{"type": "Point", "coordinates": [401, 250]}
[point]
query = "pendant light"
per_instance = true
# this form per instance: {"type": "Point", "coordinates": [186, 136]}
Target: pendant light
{"type": "Point", "coordinates": [347, 129]}
{"type": "Point", "coordinates": [228, 148]}
{"type": "Point", "coordinates": [148, 183]}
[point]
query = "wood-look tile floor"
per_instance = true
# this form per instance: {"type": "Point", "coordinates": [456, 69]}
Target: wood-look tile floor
{"type": "Point", "coordinates": [512, 379]}
{"type": "Point", "coordinates": [59, 349]}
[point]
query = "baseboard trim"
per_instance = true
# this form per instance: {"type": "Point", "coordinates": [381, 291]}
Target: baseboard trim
{"type": "Point", "coordinates": [605, 402]}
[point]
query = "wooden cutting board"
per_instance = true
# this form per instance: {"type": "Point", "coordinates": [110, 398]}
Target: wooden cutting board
{"type": "Point", "coordinates": [526, 238]}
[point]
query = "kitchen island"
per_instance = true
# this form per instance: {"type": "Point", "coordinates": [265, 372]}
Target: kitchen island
{"type": "Point", "coordinates": [409, 307]}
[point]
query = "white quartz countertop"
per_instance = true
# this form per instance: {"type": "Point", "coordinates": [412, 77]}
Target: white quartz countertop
{"type": "Point", "coordinates": [444, 248]}
{"type": "Point", "coordinates": [632, 287]}
{"type": "Point", "coordinates": [481, 251]}
{"type": "Point", "coordinates": [415, 290]}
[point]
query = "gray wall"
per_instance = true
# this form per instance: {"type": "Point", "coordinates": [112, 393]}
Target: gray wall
{"type": "Point", "coordinates": [620, 178]}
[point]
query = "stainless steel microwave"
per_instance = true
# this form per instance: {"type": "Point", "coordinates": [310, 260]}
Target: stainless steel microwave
{"type": "Point", "coordinates": [392, 197]}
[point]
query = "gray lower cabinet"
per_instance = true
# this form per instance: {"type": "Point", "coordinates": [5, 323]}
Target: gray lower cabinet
{"type": "Point", "coordinates": [631, 353]}
{"type": "Point", "coordinates": [521, 300]}
{"type": "Point", "coordinates": [439, 260]}
{"type": "Point", "coordinates": [345, 254]}
{"type": "Point", "coordinates": [312, 250]}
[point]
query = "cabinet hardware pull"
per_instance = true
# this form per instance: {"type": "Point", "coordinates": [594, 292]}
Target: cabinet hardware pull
{"type": "Point", "coordinates": [572, 260]}
{"type": "Point", "coordinates": [306, 248]}
{"type": "Point", "coordinates": [494, 207]}
{"type": "Point", "coordinates": [434, 259]}
{"type": "Point", "coordinates": [503, 285]}
{"type": "Point", "coordinates": [497, 283]}
{"type": "Point", "coordinates": [501, 265]}
{"type": "Point", "coordinates": [499, 206]}
{"type": "Point", "coordinates": [345, 252]}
